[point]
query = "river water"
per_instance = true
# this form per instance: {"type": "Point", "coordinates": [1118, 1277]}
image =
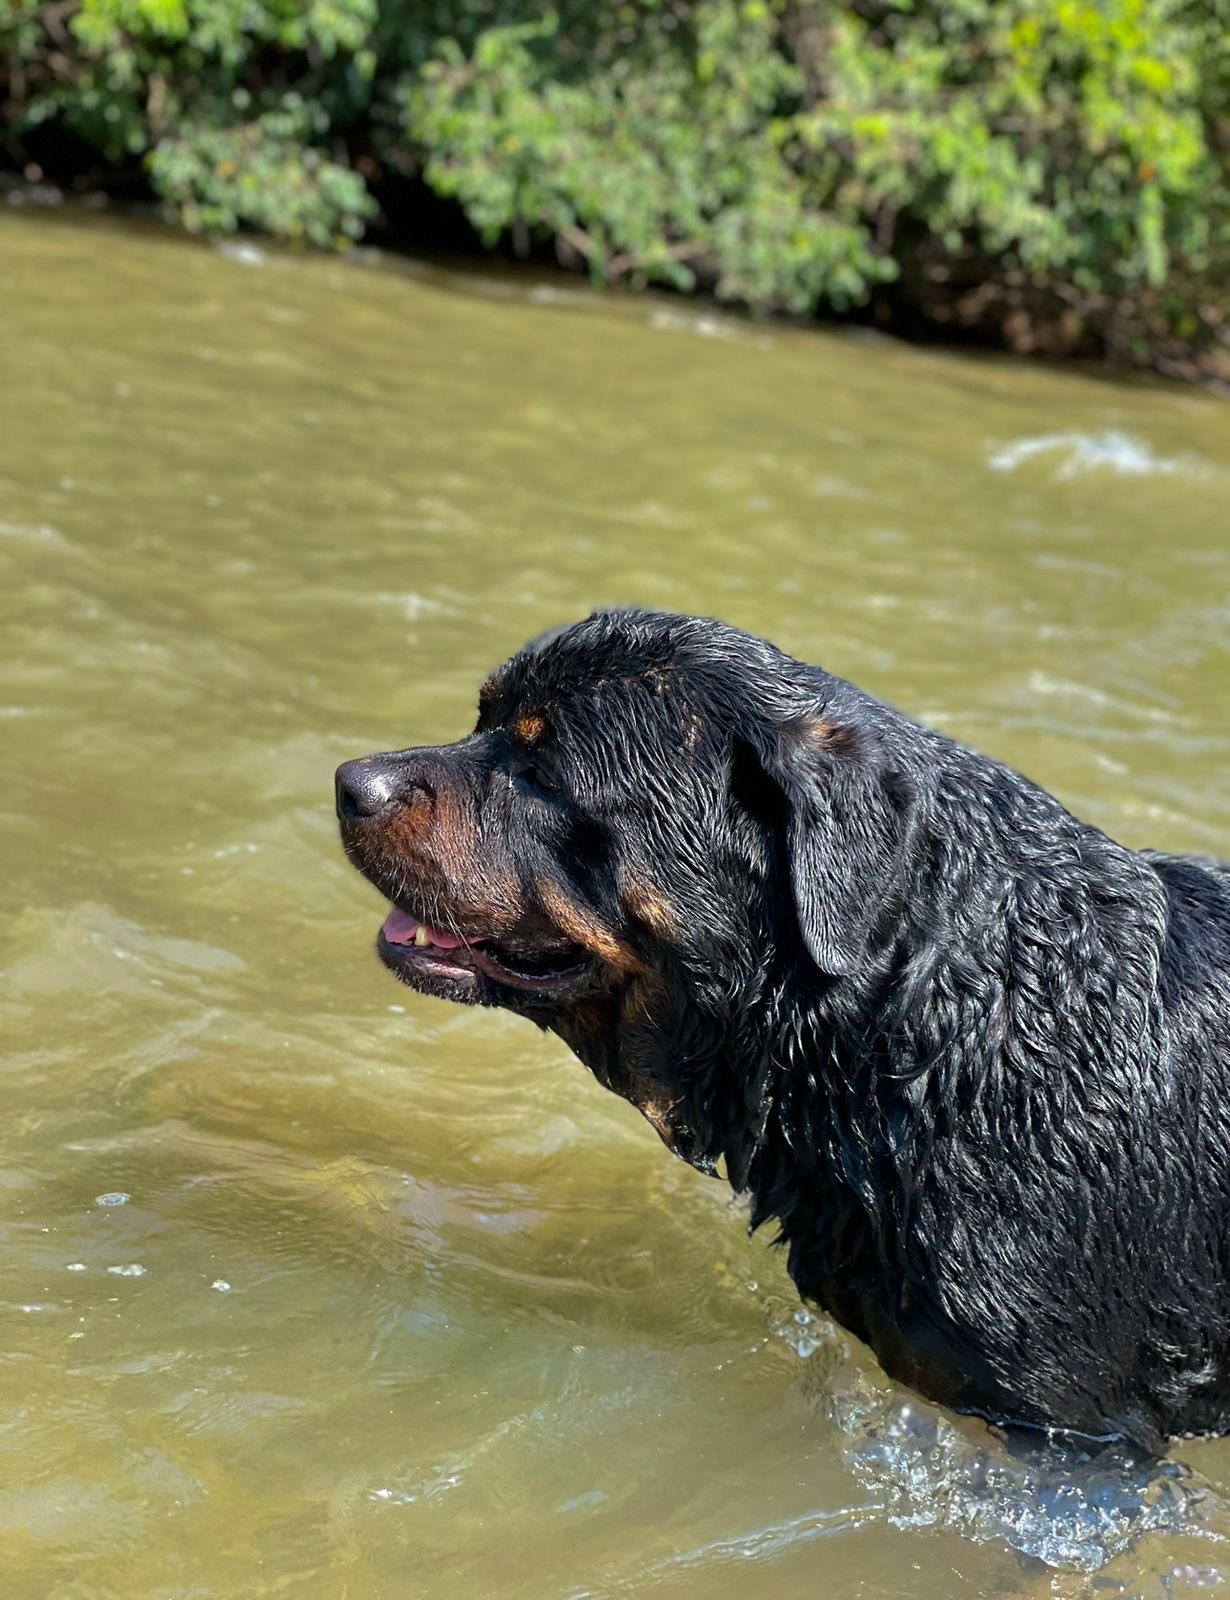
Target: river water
{"type": "Point", "coordinates": [313, 1287]}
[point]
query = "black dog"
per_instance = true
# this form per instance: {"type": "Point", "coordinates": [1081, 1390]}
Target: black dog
{"type": "Point", "coordinates": [971, 1054]}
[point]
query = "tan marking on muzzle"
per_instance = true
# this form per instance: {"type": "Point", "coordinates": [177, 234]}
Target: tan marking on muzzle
{"type": "Point", "coordinates": [439, 849]}
{"type": "Point", "coordinates": [580, 925]}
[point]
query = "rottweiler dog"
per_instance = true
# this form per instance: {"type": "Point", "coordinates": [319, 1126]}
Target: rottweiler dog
{"type": "Point", "coordinates": [971, 1055]}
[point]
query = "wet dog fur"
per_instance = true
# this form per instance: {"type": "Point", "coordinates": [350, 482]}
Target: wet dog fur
{"type": "Point", "coordinates": [968, 1053]}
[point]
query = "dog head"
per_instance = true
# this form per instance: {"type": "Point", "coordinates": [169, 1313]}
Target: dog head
{"type": "Point", "coordinates": [657, 824]}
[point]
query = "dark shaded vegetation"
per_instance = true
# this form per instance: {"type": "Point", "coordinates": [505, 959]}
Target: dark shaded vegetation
{"type": "Point", "coordinates": [1049, 174]}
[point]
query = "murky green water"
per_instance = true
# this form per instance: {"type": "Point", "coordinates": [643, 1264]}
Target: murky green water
{"type": "Point", "coordinates": [313, 1287]}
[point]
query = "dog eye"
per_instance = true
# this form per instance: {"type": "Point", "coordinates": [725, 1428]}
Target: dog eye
{"type": "Point", "coordinates": [535, 778]}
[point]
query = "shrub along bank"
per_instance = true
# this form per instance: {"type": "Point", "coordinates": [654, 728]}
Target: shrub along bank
{"type": "Point", "coordinates": [1053, 174]}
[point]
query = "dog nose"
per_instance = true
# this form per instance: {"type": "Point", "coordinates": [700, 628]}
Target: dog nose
{"type": "Point", "coordinates": [364, 788]}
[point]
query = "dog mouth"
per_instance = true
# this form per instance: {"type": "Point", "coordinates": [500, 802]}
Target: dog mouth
{"type": "Point", "coordinates": [415, 951]}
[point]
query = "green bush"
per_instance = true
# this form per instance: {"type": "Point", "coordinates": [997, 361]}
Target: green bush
{"type": "Point", "coordinates": [1053, 171]}
{"type": "Point", "coordinates": [669, 166]}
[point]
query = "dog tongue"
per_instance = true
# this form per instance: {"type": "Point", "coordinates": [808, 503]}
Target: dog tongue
{"type": "Point", "coordinates": [399, 928]}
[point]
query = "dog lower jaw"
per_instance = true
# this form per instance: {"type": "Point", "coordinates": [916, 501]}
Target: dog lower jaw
{"type": "Point", "coordinates": [473, 975]}
{"type": "Point", "coordinates": [435, 971]}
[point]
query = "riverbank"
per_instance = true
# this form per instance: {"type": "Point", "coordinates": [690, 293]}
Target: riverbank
{"type": "Point", "coordinates": [449, 247]}
{"type": "Point", "coordinates": [1039, 175]}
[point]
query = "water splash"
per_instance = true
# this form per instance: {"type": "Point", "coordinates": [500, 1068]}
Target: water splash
{"type": "Point", "coordinates": [243, 251]}
{"type": "Point", "coordinates": [806, 1333]}
{"type": "Point", "coordinates": [1070, 1507]}
{"type": "Point", "coordinates": [1110, 450]}
{"type": "Point", "coordinates": [1065, 1506]}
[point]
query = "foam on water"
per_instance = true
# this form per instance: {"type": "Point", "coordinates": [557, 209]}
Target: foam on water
{"type": "Point", "coordinates": [1079, 453]}
{"type": "Point", "coordinates": [1058, 1503]}
{"type": "Point", "coordinates": [1070, 1507]}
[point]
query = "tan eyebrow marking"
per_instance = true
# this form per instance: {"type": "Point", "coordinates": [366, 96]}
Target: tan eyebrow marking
{"type": "Point", "coordinates": [826, 735]}
{"type": "Point", "coordinates": [530, 727]}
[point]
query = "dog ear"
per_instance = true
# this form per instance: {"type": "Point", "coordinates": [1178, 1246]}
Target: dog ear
{"type": "Point", "coordinates": [846, 821]}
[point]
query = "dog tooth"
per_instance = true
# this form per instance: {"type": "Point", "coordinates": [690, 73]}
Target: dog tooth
{"type": "Point", "coordinates": [422, 937]}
